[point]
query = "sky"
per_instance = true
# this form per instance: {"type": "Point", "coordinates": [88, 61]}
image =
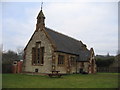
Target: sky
{"type": "Point", "coordinates": [94, 23]}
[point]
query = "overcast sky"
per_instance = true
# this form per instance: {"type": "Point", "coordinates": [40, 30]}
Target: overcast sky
{"type": "Point", "coordinates": [94, 23]}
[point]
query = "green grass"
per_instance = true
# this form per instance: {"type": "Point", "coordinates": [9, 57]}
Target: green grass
{"type": "Point", "coordinates": [99, 80]}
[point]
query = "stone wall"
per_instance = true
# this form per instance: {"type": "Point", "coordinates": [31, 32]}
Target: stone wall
{"type": "Point", "coordinates": [47, 66]}
{"type": "Point", "coordinates": [92, 63]}
{"type": "Point", "coordinates": [66, 67]}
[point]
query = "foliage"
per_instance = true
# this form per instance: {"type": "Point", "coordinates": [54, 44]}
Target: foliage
{"type": "Point", "coordinates": [8, 57]}
{"type": "Point", "coordinates": [99, 80]}
{"type": "Point", "coordinates": [104, 62]}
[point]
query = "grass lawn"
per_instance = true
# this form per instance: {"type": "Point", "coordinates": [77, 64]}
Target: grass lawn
{"type": "Point", "coordinates": [99, 80]}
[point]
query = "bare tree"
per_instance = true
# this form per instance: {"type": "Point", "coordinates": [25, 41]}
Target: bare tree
{"type": "Point", "coordinates": [20, 52]}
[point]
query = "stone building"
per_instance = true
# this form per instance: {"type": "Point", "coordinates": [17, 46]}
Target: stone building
{"type": "Point", "coordinates": [49, 50]}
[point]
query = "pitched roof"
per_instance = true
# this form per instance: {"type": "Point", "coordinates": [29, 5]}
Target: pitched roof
{"type": "Point", "coordinates": [40, 14]}
{"type": "Point", "coordinates": [69, 45]}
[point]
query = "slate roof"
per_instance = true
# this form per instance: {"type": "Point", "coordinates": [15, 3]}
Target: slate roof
{"type": "Point", "coordinates": [70, 45]}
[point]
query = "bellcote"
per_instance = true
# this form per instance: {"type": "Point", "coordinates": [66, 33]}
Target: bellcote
{"type": "Point", "coordinates": [40, 20]}
{"type": "Point", "coordinates": [40, 14]}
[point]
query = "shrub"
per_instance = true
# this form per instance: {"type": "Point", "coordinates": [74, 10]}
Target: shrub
{"type": "Point", "coordinates": [104, 62]}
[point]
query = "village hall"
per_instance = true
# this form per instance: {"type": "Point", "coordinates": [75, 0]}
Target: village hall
{"type": "Point", "coordinates": [49, 50]}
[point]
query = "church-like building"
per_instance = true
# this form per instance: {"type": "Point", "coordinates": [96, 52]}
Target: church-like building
{"type": "Point", "coordinates": [49, 50]}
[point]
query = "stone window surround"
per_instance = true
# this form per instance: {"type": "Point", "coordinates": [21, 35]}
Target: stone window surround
{"type": "Point", "coordinates": [38, 46]}
{"type": "Point", "coordinates": [61, 59]}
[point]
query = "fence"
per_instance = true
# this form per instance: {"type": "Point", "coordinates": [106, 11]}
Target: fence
{"type": "Point", "coordinates": [6, 68]}
{"type": "Point", "coordinates": [108, 69]}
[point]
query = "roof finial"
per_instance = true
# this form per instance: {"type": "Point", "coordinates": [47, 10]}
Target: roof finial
{"type": "Point", "coordinates": [41, 5]}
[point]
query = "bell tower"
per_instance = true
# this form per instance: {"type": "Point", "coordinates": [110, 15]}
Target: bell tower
{"type": "Point", "coordinates": [40, 20]}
